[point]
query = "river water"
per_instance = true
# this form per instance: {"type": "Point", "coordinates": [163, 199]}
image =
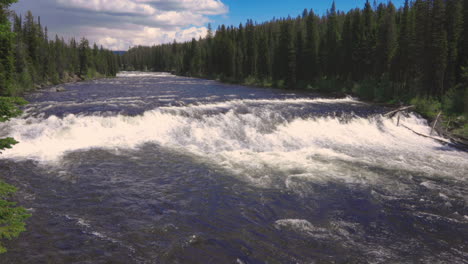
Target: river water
{"type": "Point", "coordinates": [154, 168]}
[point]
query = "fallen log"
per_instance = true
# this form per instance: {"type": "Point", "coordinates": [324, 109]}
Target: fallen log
{"type": "Point", "coordinates": [391, 113]}
{"type": "Point", "coordinates": [420, 134]}
{"type": "Point", "coordinates": [435, 122]}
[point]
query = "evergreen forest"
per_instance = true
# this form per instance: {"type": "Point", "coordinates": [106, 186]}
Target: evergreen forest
{"type": "Point", "coordinates": [416, 53]}
{"type": "Point", "coordinates": [30, 58]}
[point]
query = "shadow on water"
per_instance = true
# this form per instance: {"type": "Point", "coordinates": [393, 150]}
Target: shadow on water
{"type": "Point", "coordinates": [201, 194]}
{"type": "Point", "coordinates": [155, 205]}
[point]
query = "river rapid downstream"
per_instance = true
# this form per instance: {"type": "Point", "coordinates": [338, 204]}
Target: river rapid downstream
{"type": "Point", "coordinates": [155, 168]}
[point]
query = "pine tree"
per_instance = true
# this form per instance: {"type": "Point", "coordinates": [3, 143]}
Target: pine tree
{"type": "Point", "coordinates": [332, 43]}
{"type": "Point", "coordinates": [463, 60]}
{"type": "Point", "coordinates": [83, 57]}
{"type": "Point", "coordinates": [311, 47]}
{"type": "Point", "coordinates": [301, 71]}
{"type": "Point", "coordinates": [402, 63]}
{"type": "Point", "coordinates": [422, 44]}
{"type": "Point", "coordinates": [263, 58]}
{"type": "Point", "coordinates": [453, 19]}
{"type": "Point", "coordinates": [387, 39]}
{"type": "Point", "coordinates": [283, 55]}
{"type": "Point", "coordinates": [438, 48]}
{"type": "Point", "coordinates": [6, 48]}
{"type": "Point", "coordinates": [249, 67]}
{"type": "Point", "coordinates": [358, 50]}
{"type": "Point", "coordinates": [368, 40]}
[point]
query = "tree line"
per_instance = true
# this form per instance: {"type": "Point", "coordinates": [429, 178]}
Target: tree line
{"type": "Point", "coordinates": [378, 52]}
{"type": "Point", "coordinates": [30, 59]}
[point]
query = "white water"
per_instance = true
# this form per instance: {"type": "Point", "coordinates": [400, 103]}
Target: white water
{"type": "Point", "coordinates": [259, 145]}
{"type": "Point", "coordinates": [143, 74]}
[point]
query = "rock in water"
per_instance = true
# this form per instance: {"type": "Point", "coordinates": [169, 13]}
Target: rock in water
{"type": "Point", "coordinates": [60, 89]}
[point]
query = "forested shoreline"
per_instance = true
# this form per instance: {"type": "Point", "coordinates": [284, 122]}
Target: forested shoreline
{"type": "Point", "coordinates": [30, 59]}
{"type": "Point", "coordinates": [417, 53]}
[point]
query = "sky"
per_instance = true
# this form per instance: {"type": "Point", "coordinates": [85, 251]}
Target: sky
{"type": "Point", "coordinates": [120, 24]}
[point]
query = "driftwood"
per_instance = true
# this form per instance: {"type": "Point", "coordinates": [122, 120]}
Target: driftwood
{"type": "Point", "coordinates": [391, 113]}
{"type": "Point", "coordinates": [420, 134]}
{"type": "Point", "coordinates": [435, 122]}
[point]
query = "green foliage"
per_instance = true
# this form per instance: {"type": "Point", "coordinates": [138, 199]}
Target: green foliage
{"type": "Point", "coordinates": [463, 131]}
{"type": "Point", "coordinates": [34, 60]}
{"type": "Point", "coordinates": [12, 218]}
{"type": "Point", "coordinates": [382, 53]}
{"type": "Point", "coordinates": [453, 101]}
{"type": "Point", "coordinates": [9, 107]}
{"type": "Point", "coordinates": [7, 143]}
{"type": "Point", "coordinates": [329, 85]}
{"type": "Point", "coordinates": [427, 106]}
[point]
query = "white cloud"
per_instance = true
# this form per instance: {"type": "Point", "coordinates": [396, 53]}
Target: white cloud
{"type": "Point", "coordinates": [122, 39]}
{"type": "Point", "coordinates": [152, 12]}
{"type": "Point", "coordinates": [206, 7]}
{"type": "Point", "coordinates": [110, 6]}
{"type": "Point", "coordinates": [120, 24]}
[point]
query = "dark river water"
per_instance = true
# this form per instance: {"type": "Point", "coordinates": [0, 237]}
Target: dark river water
{"type": "Point", "coordinates": [153, 168]}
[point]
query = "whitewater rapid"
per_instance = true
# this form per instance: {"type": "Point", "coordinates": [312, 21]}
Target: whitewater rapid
{"type": "Point", "coordinates": [156, 168]}
{"type": "Point", "coordinates": [250, 138]}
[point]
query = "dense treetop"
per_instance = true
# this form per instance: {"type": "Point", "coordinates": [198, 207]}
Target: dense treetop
{"type": "Point", "coordinates": [379, 52]}
{"type": "Point", "coordinates": [29, 58]}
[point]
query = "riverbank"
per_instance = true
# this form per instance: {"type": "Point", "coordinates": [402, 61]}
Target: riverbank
{"type": "Point", "coordinates": [67, 79]}
{"type": "Point", "coordinates": [453, 126]}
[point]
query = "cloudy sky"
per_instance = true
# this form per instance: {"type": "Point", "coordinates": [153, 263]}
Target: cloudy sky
{"type": "Point", "coordinates": [120, 24]}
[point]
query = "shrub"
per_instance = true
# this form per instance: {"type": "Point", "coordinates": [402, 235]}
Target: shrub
{"type": "Point", "coordinates": [427, 106]}
{"type": "Point", "coordinates": [453, 101]}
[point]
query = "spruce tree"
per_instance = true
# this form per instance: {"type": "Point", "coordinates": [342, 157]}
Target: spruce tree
{"type": "Point", "coordinates": [422, 42]}
{"type": "Point", "coordinates": [402, 62]}
{"type": "Point", "coordinates": [83, 57]}
{"type": "Point", "coordinates": [263, 58]}
{"type": "Point", "coordinates": [438, 48]}
{"type": "Point", "coordinates": [311, 47]}
{"type": "Point", "coordinates": [6, 49]}
{"type": "Point", "coordinates": [249, 68]}
{"type": "Point", "coordinates": [332, 43]}
{"type": "Point", "coordinates": [454, 22]}
{"type": "Point", "coordinates": [387, 39]}
{"type": "Point", "coordinates": [368, 40]}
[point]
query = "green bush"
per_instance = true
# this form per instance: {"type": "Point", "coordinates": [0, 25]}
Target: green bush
{"type": "Point", "coordinates": [365, 89]}
{"type": "Point", "coordinates": [329, 85]}
{"type": "Point", "coordinates": [453, 101]}
{"type": "Point", "coordinates": [280, 84]}
{"type": "Point", "coordinates": [427, 106]}
{"type": "Point", "coordinates": [463, 131]}
{"type": "Point", "coordinates": [251, 80]}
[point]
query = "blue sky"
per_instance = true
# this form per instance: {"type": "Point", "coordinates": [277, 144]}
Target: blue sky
{"type": "Point", "coordinates": [264, 10]}
{"type": "Point", "coordinates": [120, 24]}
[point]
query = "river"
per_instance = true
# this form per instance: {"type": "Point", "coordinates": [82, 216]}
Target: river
{"type": "Point", "coordinates": [154, 168]}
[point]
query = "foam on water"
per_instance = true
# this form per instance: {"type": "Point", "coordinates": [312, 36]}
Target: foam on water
{"type": "Point", "coordinates": [260, 144]}
{"type": "Point", "coordinates": [124, 74]}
